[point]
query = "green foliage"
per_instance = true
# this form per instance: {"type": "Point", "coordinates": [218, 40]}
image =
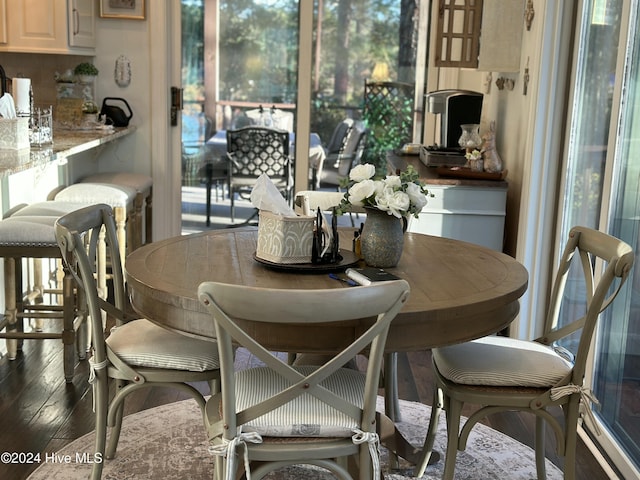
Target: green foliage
{"type": "Point", "coordinates": [258, 53]}
{"type": "Point", "coordinates": [388, 116]}
{"type": "Point", "coordinates": [85, 68]}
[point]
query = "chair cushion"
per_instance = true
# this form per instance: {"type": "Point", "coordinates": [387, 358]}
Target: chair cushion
{"type": "Point", "coordinates": [91, 193]}
{"type": "Point", "coordinates": [28, 231]}
{"type": "Point", "coordinates": [138, 181]}
{"type": "Point", "coordinates": [142, 343]}
{"type": "Point", "coordinates": [304, 416]}
{"type": "Point", "coordinates": [501, 361]}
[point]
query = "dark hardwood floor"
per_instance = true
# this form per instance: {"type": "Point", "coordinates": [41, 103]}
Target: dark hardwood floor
{"type": "Point", "coordinates": [40, 413]}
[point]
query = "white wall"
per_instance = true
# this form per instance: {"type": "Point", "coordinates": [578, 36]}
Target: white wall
{"type": "Point", "coordinates": [129, 38]}
{"type": "Point", "coordinates": [529, 136]}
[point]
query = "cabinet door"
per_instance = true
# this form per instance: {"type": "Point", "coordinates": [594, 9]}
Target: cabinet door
{"type": "Point", "coordinates": [470, 214]}
{"type": "Point", "coordinates": [82, 23]}
{"type": "Point", "coordinates": [36, 25]}
{"type": "Point", "coordinates": [49, 26]}
{"type": "Point", "coordinates": [3, 22]}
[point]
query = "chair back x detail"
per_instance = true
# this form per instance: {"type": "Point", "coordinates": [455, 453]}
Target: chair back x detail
{"type": "Point", "coordinates": [318, 413]}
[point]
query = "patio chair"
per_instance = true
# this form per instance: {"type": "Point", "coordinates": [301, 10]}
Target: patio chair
{"type": "Point", "coordinates": [278, 414]}
{"type": "Point", "coordinates": [338, 140]}
{"type": "Point", "coordinates": [253, 151]}
{"type": "Point", "coordinates": [137, 353]}
{"type": "Point", "coordinates": [504, 374]}
{"type": "Point", "coordinates": [334, 173]}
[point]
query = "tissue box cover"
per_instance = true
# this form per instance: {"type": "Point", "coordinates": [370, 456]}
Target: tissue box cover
{"type": "Point", "coordinates": [14, 133]}
{"type": "Point", "coordinates": [284, 240]}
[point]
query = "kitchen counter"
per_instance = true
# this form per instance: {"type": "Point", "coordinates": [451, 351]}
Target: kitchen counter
{"type": "Point", "coordinates": [430, 176]}
{"type": "Point", "coordinates": [65, 143]}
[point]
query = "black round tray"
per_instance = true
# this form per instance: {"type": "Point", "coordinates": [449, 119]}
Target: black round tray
{"type": "Point", "coordinates": [348, 259]}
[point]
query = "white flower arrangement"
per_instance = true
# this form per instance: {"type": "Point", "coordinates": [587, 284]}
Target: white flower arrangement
{"type": "Point", "coordinates": [398, 195]}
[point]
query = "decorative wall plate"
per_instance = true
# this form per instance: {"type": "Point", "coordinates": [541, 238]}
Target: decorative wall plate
{"type": "Point", "coordinates": [122, 72]}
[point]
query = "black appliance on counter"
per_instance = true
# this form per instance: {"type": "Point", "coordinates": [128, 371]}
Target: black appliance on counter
{"type": "Point", "coordinates": [455, 107]}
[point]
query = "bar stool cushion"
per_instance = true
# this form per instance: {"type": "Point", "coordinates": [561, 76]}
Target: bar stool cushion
{"type": "Point", "coordinates": [92, 193]}
{"type": "Point", "coordinates": [28, 231]}
{"type": "Point", "coordinates": [49, 208]}
{"type": "Point", "coordinates": [142, 343]}
{"type": "Point", "coordinates": [142, 183]}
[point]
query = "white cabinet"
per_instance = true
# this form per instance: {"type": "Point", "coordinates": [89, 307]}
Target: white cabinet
{"type": "Point", "coordinates": [81, 23]}
{"type": "Point", "coordinates": [49, 26]}
{"type": "Point", "coordinates": [473, 214]}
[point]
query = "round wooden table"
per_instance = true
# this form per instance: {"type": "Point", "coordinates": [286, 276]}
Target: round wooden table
{"type": "Point", "coordinates": [459, 292]}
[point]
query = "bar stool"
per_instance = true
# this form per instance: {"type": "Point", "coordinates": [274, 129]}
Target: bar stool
{"type": "Point", "coordinates": [25, 237]}
{"type": "Point", "coordinates": [120, 198]}
{"type": "Point", "coordinates": [143, 184]}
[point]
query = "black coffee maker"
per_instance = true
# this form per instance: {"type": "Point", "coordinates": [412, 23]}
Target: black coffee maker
{"type": "Point", "coordinates": [455, 107]}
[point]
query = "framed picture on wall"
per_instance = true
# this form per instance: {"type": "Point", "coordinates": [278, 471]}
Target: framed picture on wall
{"type": "Point", "coordinates": [126, 9]}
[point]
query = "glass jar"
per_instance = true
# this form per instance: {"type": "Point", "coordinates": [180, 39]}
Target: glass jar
{"type": "Point", "coordinates": [470, 137]}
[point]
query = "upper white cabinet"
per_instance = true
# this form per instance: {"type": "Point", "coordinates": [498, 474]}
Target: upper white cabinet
{"type": "Point", "coordinates": [48, 26]}
{"type": "Point", "coordinates": [81, 23]}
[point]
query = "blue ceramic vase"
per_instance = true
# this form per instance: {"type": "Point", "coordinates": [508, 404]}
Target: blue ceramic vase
{"type": "Point", "coordinates": [382, 239]}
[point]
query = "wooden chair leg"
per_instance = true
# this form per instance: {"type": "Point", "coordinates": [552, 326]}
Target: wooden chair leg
{"type": "Point", "coordinates": [453, 411]}
{"type": "Point", "coordinates": [101, 402]}
{"type": "Point", "coordinates": [427, 449]}
{"type": "Point", "coordinates": [540, 449]}
{"type": "Point", "coordinates": [69, 333]}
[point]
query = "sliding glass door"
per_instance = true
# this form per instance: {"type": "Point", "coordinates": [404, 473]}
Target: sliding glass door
{"type": "Point", "coordinates": [601, 191]}
{"type": "Point", "coordinates": [243, 55]}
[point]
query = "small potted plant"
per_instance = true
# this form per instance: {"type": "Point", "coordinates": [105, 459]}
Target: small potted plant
{"type": "Point", "coordinates": [85, 72]}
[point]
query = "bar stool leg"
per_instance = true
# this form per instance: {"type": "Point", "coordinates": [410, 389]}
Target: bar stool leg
{"type": "Point", "coordinates": [137, 221]}
{"type": "Point", "coordinates": [148, 217]}
{"type": "Point", "coordinates": [11, 310]}
{"type": "Point", "coordinates": [37, 291]}
{"type": "Point", "coordinates": [120, 216]}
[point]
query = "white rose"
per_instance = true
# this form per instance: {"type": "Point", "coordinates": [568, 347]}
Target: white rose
{"type": "Point", "coordinates": [417, 198]}
{"type": "Point", "coordinates": [380, 187]}
{"type": "Point", "coordinates": [393, 181]}
{"type": "Point", "coordinates": [395, 203]}
{"type": "Point", "coordinates": [361, 190]}
{"type": "Point", "coordinates": [362, 172]}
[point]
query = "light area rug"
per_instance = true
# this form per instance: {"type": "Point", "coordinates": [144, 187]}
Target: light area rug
{"type": "Point", "coordinates": [169, 442]}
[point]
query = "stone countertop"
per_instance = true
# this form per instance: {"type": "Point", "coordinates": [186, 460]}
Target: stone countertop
{"type": "Point", "coordinates": [65, 143]}
{"type": "Point", "coordinates": [429, 175]}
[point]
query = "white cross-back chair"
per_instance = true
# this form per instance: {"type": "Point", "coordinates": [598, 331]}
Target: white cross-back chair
{"type": "Point", "coordinates": [503, 374]}
{"type": "Point", "coordinates": [137, 353]}
{"type": "Point", "coordinates": [278, 414]}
